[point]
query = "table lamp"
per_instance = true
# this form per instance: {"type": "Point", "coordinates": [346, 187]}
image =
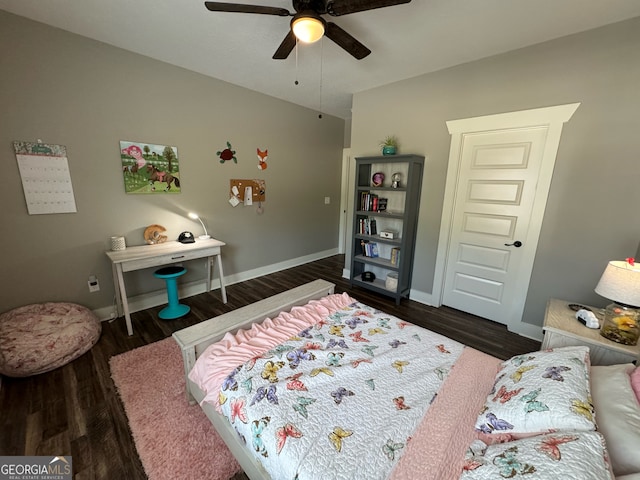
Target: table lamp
{"type": "Point", "coordinates": [620, 283]}
{"type": "Point", "coordinates": [196, 217]}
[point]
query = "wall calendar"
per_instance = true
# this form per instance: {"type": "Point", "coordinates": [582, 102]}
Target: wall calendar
{"type": "Point", "coordinates": [46, 181]}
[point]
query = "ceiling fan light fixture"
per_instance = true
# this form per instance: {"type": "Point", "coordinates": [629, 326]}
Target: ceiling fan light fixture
{"type": "Point", "coordinates": [308, 28]}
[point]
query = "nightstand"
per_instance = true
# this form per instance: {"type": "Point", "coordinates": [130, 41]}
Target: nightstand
{"type": "Point", "coordinates": [562, 329]}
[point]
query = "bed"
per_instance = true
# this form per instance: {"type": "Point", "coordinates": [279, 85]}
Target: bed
{"type": "Point", "coordinates": [327, 387]}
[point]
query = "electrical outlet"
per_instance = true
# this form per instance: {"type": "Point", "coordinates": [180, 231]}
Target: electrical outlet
{"type": "Point", "coordinates": [327, 200]}
{"type": "Point", "coordinates": [94, 286]}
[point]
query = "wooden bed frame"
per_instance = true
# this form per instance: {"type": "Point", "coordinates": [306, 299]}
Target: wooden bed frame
{"type": "Point", "coordinates": [195, 339]}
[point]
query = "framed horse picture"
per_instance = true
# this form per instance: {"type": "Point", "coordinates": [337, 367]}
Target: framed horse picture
{"type": "Point", "coordinates": [149, 168]}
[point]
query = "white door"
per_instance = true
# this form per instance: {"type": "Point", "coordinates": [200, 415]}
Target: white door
{"type": "Point", "coordinates": [496, 188]}
{"type": "Point", "coordinates": [500, 169]}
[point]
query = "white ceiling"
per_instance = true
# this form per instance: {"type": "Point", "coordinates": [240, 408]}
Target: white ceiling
{"type": "Point", "coordinates": [406, 40]}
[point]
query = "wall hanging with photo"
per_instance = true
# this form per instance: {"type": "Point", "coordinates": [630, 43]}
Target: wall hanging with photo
{"type": "Point", "coordinates": [149, 168]}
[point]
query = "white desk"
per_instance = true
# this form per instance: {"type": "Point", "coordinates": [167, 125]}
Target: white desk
{"type": "Point", "coordinates": [146, 256]}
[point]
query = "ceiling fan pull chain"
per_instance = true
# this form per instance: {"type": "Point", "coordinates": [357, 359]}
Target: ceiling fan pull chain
{"type": "Point", "coordinates": [321, 59]}
{"type": "Point", "coordinates": [296, 47]}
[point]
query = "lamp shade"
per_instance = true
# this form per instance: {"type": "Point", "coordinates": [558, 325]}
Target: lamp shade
{"type": "Point", "coordinates": [620, 282]}
{"type": "Point", "coordinates": [308, 29]}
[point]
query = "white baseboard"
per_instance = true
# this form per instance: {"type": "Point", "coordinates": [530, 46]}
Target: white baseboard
{"type": "Point", "coordinates": [421, 297]}
{"type": "Point", "coordinates": [159, 297]}
{"type": "Point", "coordinates": [524, 329]}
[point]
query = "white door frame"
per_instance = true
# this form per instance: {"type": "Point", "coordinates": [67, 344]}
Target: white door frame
{"type": "Point", "coordinates": [552, 117]}
{"type": "Point", "coordinates": [344, 200]}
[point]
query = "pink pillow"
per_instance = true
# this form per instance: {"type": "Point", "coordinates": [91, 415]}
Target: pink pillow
{"type": "Point", "coordinates": [635, 382]}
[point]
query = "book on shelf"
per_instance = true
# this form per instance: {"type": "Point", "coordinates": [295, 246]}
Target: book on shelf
{"type": "Point", "coordinates": [369, 249]}
{"type": "Point", "coordinates": [367, 201]}
{"type": "Point", "coordinates": [370, 202]}
{"type": "Point", "coordinates": [363, 245]}
{"type": "Point", "coordinates": [363, 201]}
{"type": "Point", "coordinates": [367, 226]}
{"type": "Point", "coordinates": [395, 256]}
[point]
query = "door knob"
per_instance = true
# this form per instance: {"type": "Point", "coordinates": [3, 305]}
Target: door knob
{"type": "Point", "coordinates": [516, 244]}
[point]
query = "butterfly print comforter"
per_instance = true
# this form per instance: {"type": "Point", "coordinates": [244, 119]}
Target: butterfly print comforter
{"type": "Point", "coordinates": [340, 399]}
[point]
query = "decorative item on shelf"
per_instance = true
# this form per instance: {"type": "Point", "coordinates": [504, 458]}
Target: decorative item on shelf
{"type": "Point", "coordinates": [389, 145]}
{"type": "Point", "coordinates": [153, 234]}
{"type": "Point", "coordinates": [378, 179]}
{"type": "Point", "coordinates": [391, 283]}
{"type": "Point", "coordinates": [194, 216]}
{"type": "Point", "coordinates": [368, 276]}
{"type": "Point", "coordinates": [620, 283]}
{"type": "Point", "coordinates": [396, 178]}
{"type": "Point", "coordinates": [389, 234]}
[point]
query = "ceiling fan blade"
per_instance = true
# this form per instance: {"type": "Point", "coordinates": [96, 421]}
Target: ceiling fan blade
{"type": "Point", "coordinates": [285, 47]}
{"type": "Point", "coordinates": [346, 41]}
{"type": "Point", "coordinates": [344, 7]}
{"type": "Point", "coordinates": [239, 8]}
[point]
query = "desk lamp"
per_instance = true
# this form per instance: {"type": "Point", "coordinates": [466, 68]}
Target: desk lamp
{"type": "Point", "coordinates": [196, 217]}
{"type": "Point", "coordinates": [620, 283]}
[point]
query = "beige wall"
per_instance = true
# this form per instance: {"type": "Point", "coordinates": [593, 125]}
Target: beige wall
{"type": "Point", "coordinates": [69, 90]}
{"type": "Point", "coordinates": [592, 211]}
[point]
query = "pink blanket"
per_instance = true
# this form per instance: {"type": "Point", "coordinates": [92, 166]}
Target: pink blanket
{"type": "Point", "coordinates": [222, 357]}
{"type": "Point", "coordinates": [436, 450]}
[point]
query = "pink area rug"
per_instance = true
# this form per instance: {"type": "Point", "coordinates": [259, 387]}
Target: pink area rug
{"type": "Point", "coordinates": [175, 440]}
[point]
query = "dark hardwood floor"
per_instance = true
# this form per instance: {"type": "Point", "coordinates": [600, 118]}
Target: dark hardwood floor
{"type": "Point", "coordinates": [75, 410]}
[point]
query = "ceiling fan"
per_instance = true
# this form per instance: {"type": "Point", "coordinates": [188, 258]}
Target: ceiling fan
{"type": "Point", "coordinates": [308, 26]}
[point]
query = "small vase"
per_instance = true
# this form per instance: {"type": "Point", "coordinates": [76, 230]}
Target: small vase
{"type": "Point", "coordinates": [621, 324]}
{"type": "Point", "coordinates": [388, 150]}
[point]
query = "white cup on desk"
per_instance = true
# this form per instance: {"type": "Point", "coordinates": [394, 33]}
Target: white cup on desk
{"type": "Point", "coordinates": [118, 243]}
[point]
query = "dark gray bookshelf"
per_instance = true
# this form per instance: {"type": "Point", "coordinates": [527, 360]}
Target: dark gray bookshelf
{"type": "Point", "coordinates": [400, 217]}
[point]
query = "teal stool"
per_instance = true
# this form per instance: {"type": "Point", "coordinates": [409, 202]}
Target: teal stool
{"type": "Point", "coordinates": [175, 309]}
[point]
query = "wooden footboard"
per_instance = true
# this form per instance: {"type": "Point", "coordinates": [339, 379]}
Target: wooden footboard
{"type": "Point", "coordinates": [195, 339]}
{"type": "Point", "coordinates": [250, 466]}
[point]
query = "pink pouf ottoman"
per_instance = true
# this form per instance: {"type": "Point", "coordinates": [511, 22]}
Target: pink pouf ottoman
{"type": "Point", "coordinates": [40, 337]}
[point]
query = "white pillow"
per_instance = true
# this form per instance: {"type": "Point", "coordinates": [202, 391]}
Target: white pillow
{"type": "Point", "coordinates": [552, 456]}
{"type": "Point", "coordinates": [618, 415]}
{"type": "Point", "coordinates": [540, 392]}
